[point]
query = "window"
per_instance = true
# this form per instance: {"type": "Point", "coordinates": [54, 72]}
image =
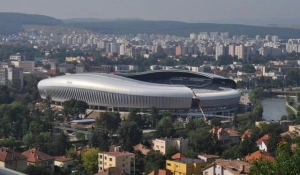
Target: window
{"type": "Point", "coordinates": [110, 159]}
{"type": "Point", "coordinates": [168, 164]}
{"type": "Point", "coordinates": [123, 165]}
{"type": "Point", "coordinates": [110, 165]}
{"type": "Point", "coordinates": [105, 157]}
{"type": "Point", "coordinates": [100, 156]}
{"type": "Point", "coordinates": [100, 162]}
{"type": "Point", "coordinates": [162, 147]}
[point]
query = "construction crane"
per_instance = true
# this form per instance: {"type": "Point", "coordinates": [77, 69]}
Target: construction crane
{"type": "Point", "coordinates": [199, 106]}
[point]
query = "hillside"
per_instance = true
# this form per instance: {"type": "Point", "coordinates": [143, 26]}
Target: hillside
{"type": "Point", "coordinates": [84, 20]}
{"type": "Point", "coordinates": [12, 22]}
{"type": "Point", "coordinates": [183, 29]}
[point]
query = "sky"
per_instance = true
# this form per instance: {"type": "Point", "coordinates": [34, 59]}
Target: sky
{"type": "Point", "coordinates": [178, 10]}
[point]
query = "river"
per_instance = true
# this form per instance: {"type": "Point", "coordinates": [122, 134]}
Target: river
{"type": "Point", "coordinates": [274, 108]}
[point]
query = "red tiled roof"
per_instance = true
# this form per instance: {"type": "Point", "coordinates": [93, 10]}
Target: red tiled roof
{"type": "Point", "coordinates": [235, 167]}
{"type": "Point", "coordinates": [221, 131]}
{"type": "Point", "coordinates": [177, 156]}
{"type": "Point", "coordinates": [63, 159]}
{"type": "Point", "coordinates": [116, 154]}
{"type": "Point", "coordinates": [142, 148]}
{"type": "Point", "coordinates": [7, 154]}
{"type": "Point", "coordinates": [161, 172]}
{"type": "Point", "coordinates": [264, 139]}
{"type": "Point", "coordinates": [247, 133]}
{"type": "Point", "coordinates": [33, 155]}
{"type": "Point", "coordinates": [257, 155]}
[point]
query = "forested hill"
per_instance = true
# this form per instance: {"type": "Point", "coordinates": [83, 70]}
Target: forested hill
{"type": "Point", "coordinates": [182, 28]}
{"type": "Point", "coordinates": [12, 22]}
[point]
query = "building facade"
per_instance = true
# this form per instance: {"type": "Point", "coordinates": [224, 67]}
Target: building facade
{"type": "Point", "coordinates": [185, 166]}
{"type": "Point", "coordinates": [125, 161]}
{"type": "Point", "coordinates": [162, 145]}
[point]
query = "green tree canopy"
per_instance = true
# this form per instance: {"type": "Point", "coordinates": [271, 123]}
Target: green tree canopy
{"type": "Point", "coordinates": [129, 135]}
{"type": "Point", "coordinates": [90, 160]}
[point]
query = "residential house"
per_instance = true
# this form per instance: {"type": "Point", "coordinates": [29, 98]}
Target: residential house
{"type": "Point", "coordinates": [259, 155]}
{"type": "Point", "coordinates": [225, 135]}
{"type": "Point", "coordinates": [177, 156]}
{"type": "Point", "coordinates": [12, 160]}
{"type": "Point", "coordinates": [122, 160]}
{"type": "Point", "coordinates": [161, 172]}
{"type": "Point", "coordinates": [140, 147]}
{"type": "Point", "coordinates": [63, 162]}
{"type": "Point", "coordinates": [185, 166]}
{"type": "Point", "coordinates": [227, 167]}
{"type": "Point", "coordinates": [112, 171]}
{"type": "Point", "coordinates": [208, 157]}
{"type": "Point", "coordinates": [262, 143]}
{"type": "Point", "coordinates": [247, 134]}
{"type": "Point", "coordinates": [36, 157]}
{"type": "Point", "coordinates": [162, 145]}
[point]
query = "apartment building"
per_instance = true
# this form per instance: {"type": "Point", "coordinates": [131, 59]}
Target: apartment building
{"type": "Point", "coordinates": [27, 66]}
{"type": "Point", "coordinates": [162, 145]}
{"type": "Point", "coordinates": [15, 74]}
{"type": "Point", "coordinates": [125, 161]}
{"type": "Point", "coordinates": [17, 57]}
{"type": "Point", "coordinates": [185, 166]}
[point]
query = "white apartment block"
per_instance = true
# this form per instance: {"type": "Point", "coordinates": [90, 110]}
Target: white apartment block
{"type": "Point", "coordinates": [17, 57]}
{"type": "Point", "coordinates": [162, 145]}
{"type": "Point", "coordinates": [27, 66]}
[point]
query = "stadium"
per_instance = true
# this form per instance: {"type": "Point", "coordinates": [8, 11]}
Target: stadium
{"type": "Point", "coordinates": [174, 90]}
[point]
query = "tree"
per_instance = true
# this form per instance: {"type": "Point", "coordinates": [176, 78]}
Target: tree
{"type": "Point", "coordinates": [129, 135]}
{"type": "Point", "coordinates": [41, 170]}
{"type": "Point", "coordinates": [109, 121]}
{"type": "Point", "coordinates": [215, 122]}
{"type": "Point", "coordinates": [99, 139]}
{"type": "Point", "coordinates": [170, 152]}
{"type": "Point", "coordinates": [165, 127]}
{"type": "Point", "coordinates": [74, 108]}
{"type": "Point", "coordinates": [135, 117]}
{"type": "Point", "coordinates": [248, 68]}
{"type": "Point", "coordinates": [201, 141]}
{"type": "Point", "coordinates": [72, 153]}
{"type": "Point", "coordinates": [5, 95]}
{"type": "Point", "coordinates": [154, 116]}
{"type": "Point", "coordinates": [139, 163]}
{"type": "Point", "coordinates": [90, 160]}
{"type": "Point", "coordinates": [59, 144]}
{"type": "Point", "coordinates": [286, 162]}
{"type": "Point", "coordinates": [247, 146]}
{"type": "Point", "coordinates": [261, 166]}
{"type": "Point", "coordinates": [154, 161]}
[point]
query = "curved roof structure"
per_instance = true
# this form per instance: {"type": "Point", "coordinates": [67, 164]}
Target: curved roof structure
{"type": "Point", "coordinates": [167, 74]}
{"type": "Point", "coordinates": [116, 84]}
{"type": "Point", "coordinates": [133, 90]}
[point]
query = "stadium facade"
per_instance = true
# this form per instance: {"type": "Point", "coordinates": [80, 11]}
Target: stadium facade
{"type": "Point", "coordinates": [176, 90]}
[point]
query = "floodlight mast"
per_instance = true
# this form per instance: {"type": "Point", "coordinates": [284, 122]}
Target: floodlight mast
{"type": "Point", "coordinates": [199, 106]}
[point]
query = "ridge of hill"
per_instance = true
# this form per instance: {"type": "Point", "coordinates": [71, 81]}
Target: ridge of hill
{"type": "Point", "coordinates": [11, 23]}
{"type": "Point", "coordinates": [183, 28]}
